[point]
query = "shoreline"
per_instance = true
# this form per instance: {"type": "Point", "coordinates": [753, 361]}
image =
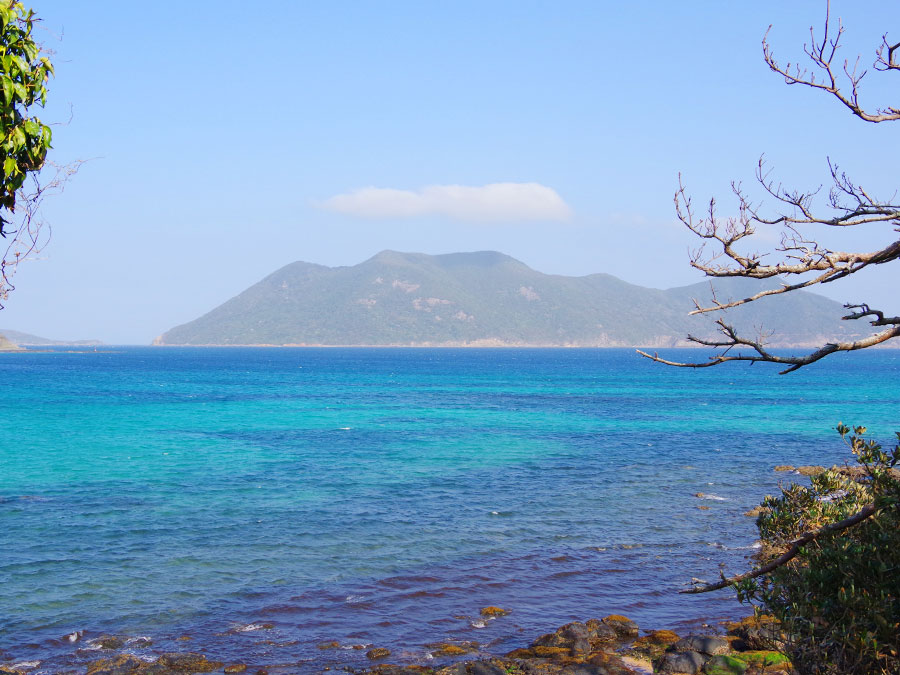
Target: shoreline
{"type": "Point", "coordinates": [612, 645]}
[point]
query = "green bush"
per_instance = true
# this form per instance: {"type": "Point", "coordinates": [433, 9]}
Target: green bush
{"type": "Point", "coordinates": [838, 600]}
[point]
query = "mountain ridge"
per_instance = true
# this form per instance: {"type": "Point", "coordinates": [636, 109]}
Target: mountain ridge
{"type": "Point", "coordinates": [486, 298]}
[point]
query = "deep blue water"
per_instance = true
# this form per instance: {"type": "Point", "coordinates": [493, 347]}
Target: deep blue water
{"type": "Point", "coordinates": [383, 496]}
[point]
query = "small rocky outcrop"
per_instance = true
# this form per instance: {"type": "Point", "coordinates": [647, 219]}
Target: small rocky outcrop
{"type": "Point", "coordinates": [167, 664]}
{"type": "Point", "coordinates": [110, 642]}
{"type": "Point", "coordinates": [125, 664]}
{"type": "Point", "coordinates": [188, 662]}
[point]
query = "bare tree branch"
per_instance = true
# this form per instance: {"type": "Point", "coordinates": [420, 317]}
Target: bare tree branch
{"type": "Point", "coordinates": [796, 546]}
{"type": "Point", "coordinates": [32, 232]}
{"type": "Point", "coordinates": [822, 54]}
{"type": "Point", "coordinates": [801, 260]}
{"type": "Point", "coordinates": [733, 340]}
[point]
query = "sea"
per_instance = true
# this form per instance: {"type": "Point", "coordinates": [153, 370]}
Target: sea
{"type": "Point", "coordinates": [258, 504]}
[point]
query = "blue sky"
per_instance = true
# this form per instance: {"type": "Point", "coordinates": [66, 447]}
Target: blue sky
{"type": "Point", "coordinates": [227, 139]}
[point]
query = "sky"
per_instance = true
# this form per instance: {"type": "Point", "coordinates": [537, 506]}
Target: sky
{"type": "Point", "coordinates": [224, 140]}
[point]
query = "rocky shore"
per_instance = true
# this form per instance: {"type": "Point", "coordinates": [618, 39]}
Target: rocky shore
{"type": "Point", "coordinates": [613, 645]}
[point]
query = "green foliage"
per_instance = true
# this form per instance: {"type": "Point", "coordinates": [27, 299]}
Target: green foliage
{"type": "Point", "coordinates": [23, 76]}
{"type": "Point", "coordinates": [839, 600]}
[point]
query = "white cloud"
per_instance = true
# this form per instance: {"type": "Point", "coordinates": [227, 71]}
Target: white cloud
{"type": "Point", "coordinates": [495, 202]}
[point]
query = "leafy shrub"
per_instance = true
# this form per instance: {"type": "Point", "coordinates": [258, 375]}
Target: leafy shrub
{"type": "Point", "coordinates": [838, 600]}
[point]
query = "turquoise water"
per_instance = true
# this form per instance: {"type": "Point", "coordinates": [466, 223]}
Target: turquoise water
{"type": "Point", "coordinates": [383, 496]}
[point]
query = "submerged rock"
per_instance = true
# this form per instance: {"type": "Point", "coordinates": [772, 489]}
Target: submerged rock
{"type": "Point", "coordinates": [109, 642]}
{"type": "Point", "coordinates": [494, 611]}
{"type": "Point", "coordinates": [188, 662]}
{"type": "Point", "coordinates": [378, 653]}
{"type": "Point", "coordinates": [126, 664]}
{"type": "Point", "coordinates": [452, 649]}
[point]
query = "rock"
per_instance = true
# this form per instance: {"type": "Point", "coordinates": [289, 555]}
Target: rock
{"type": "Point", "coordinates": [680, 662]}
{"type": "Point", "coordinates": [703, 508]}
{"type": "Point", "coordinates": [653, 645]}
{"type": "Point", "coordinates": [184, 638]}
{"type": "Point", "coordinates": [109, 642]}
{"type": "Point", "coordinates": [491, 667]}
{"type": "Point", "coordinates": [625, 628]}
{"type": "Point", "coordinates": [449, 649]}
{"type": "Point", "coordinates": [493, 611]}
{"type": "Point", "coordinates": [756, 511]}
{"type": "Point", "coordinates": [126, 664]}
{"type": "Point", "coordinates": [705, 644]}
{"type": "Point", "coordinates": [9, 670]}
{"type": "Point", "coordinates": [188, 662]}
{"type": "Point", "coordinates": [378, 653]}
{"type": "Point", "coordinates": [810, 470]}
{"type": "Point", "coordinates": [236, 668]}
{"type": "Point", "coordinates": [334, 644]}
{"type": "Point", "coordinates": [784, 467]}
{"type": "Point", "coordinates": [601, 633]}
{"type": "Point", "coordinates": [566, 636]}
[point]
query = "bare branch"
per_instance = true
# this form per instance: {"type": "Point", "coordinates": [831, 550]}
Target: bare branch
{"type": "Point", "coordinates": [867, 511]}
{"type": "Point", "coordinates": [822, 56]}
{"type": "Point", "coordinates": [32, 232]}
{"type": "Point", "coordinates": [734, 340]}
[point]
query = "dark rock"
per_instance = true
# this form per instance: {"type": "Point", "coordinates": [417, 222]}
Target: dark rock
{"type": "Point", "coordinates": [475, 668]}
{"type": "Point", "coordinates": [705, 644]}
{"type": "Point", "coordinates": [189, 662]}
{"type": "Point", "coordinates": [653, 645]}
{"type": "Point", "coordinates": [601, 632]}
{"type": "Point", "coordinates": [625, 628]}
{"type": "Point", "coordinates": [378, 653]}
{"type": "Point", "coordinates": [126, 664]}
{"type": "Point", "coordinates": [680, 662]}
{"type": "Point", "coordinates": [109, 642]}
{"type": "Point", "coordinates": [564, 636]}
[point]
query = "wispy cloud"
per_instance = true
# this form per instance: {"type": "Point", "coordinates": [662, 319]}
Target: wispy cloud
{"type": "Point", "coordinates": [492, 203]}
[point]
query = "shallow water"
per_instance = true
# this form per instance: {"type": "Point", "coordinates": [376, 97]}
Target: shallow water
{"type": "Point", "coordinates": [383, 496]}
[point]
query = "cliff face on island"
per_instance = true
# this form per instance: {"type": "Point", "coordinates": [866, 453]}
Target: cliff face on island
{"type": "Point", "coordinates": [487, 299]}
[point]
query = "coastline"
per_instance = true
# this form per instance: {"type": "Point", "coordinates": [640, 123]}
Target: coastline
{"type": "Point", "coordinates": [612, 645]}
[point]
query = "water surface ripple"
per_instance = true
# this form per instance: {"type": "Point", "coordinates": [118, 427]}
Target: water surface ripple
{"type": "Point", "coordinates": [262, 501]}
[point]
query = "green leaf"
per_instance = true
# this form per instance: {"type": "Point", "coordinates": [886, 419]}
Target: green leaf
{"type": "Point", "coordinates": [9, 166]}
{"type": "Point", "coordinates": [18, 137]}
{"type": "Point", "coordinates": [8, 89]}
